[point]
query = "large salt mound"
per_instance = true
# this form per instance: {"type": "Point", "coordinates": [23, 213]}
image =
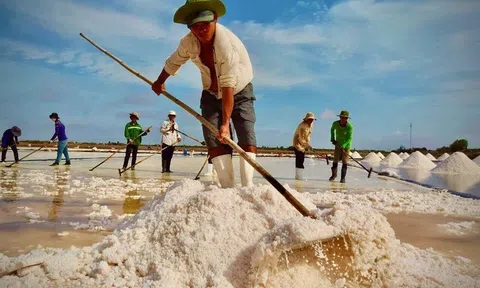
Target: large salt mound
{"type": "Point", "coordinates": [430, 157]}
{"type": "Point", "coordinates": [372, 158]}
{"type": "Point", "coordinates": [380, 155]}
{"type": "Point", "coordinates": [457, 163]}
{"type": "Point", "coordinates": [404, 155]}
{"type": "Point", "coordinates": [417, 161]}
{"type": "Point", "coordinates": [356, 155]}
{"type": "Point", "coordinates": [477, 160]}
{"type": "Point", "coordinates": [443, 157]}
{"type": "Point", "coordinates": [392, 160]}
{"type": "Point", "coordinates": [204, 236]}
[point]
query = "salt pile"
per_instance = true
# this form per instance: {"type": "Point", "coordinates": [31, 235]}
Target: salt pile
{"type": "Point", "coordinates": [380, 155]}
{"type": "Point", "coordinates": [372, 158]}
{"type": "Point", "coordinates": [356, 155]}
{"type": "Point", "coordinates": [392, 160]}
{"type": "Point", "coordinates": [404, 155]}
{"type": "Point", "coordinates": [417, 161]}
{"type": "Point", "coordinates": [477, 160]}
{"type": "Point", "coordinates": [204, 236]}
{"type": "Point", "coordinates": [457, 163]}
{"type": "Point", "coordinates": [430, 156]}
{"type": "Point", "coordinates": [443, 157]}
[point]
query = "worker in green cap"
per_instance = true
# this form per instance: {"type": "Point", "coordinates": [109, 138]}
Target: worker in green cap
{"type": "Point", "coordinates": [341, 136]}
{"type": "Point", "coordinates": [226, 73]}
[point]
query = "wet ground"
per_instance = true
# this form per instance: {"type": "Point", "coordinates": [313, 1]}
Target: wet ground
{"type": "Point", "coordinates": [42, 205]}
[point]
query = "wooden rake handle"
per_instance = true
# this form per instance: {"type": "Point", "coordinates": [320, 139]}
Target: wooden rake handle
{"type": "Point", "coordinates": [290, 198]}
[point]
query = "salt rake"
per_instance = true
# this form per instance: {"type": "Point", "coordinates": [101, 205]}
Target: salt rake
{"type": "Point", "coordinates": [9, 166]}
{"type": "Point", "coordinates": [281, 189]}
{"type": "Point", "coordinates": [198, 174]}
{"type": "Point", "coordinates": [120, 171]}
{"type": "Point", "coordinates": [109, 157]}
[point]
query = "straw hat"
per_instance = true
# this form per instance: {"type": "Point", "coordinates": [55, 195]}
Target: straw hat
{"type": "Point", "coordinates": [135, 114]}
{"type": "Point", "coordinates": [190, 10]}
{"type": "Point", "coordinates": [309, 115]}
{"type": "Point", "coordinates": [171, 112]}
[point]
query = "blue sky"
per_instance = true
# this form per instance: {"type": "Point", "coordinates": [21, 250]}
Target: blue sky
{"type": "Point", "coordinates": [388, 62]}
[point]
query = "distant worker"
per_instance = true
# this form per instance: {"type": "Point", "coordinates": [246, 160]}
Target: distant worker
{"type": "Point", "coordinates": [60, 134]}
{"type": "Point", "coordinates": [301, 143]}
{"type": "Point", "coordinates": [170, 137]}
{"type": "Point", "coordinates": [132, 131]}
{"type": "Point", "coordinates": [341, 136]}
{"type": "Point", "coordinates": [10, 138]}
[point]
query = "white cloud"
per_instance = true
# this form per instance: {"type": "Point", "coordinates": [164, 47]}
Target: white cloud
{"type": "Point", "coordinates": [328, 114]}
{"type": "Point", "coordinates": [398, 133]}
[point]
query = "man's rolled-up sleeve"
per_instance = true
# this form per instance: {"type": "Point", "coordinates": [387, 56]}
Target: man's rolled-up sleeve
{"type": "Point", "coordinates": [177, 58]}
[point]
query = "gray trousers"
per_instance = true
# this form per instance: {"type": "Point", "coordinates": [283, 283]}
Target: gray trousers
{"type": "Point", "coordinates": [243, 117]}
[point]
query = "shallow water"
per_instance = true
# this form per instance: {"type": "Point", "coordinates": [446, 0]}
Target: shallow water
{"type": "Point", "coordinates": [62, 195]}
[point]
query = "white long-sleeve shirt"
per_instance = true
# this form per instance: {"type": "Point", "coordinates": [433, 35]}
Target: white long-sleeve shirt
{"type": "Point", "coordinates": [232, 63]}
{"type": "Point", "coordinates": [169, 137]}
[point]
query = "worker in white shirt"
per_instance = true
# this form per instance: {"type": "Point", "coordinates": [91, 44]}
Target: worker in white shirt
{"type": "Point", "coordinates": [170, 137]}
{"type": "Point", "coordinates": [226, 73]}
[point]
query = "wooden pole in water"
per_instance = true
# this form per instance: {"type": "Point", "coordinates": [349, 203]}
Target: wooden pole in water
{"type": "Point", "coordinates": [285, 193]}
{"type": "Point", "coordinates": [24, 157]}
{"type": "Point", "coordinates": [109, 157]}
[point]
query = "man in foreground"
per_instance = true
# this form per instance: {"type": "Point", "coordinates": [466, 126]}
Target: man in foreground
{"type": "Point", "coordinates": [226, 73]}
{"type": "Point", "coordinates": [170, 137]}
{"type": "Point", "coordinates": [341, 135]}
{"type": "Point", "coordinates": [10, 139]}
{"type": "Point", "coordinates": [301, 143]}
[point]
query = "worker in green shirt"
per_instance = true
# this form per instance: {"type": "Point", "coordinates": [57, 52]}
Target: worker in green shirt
{"type": "Point", "coordinates": [341, 136]}
{"type": "Point", "coordinates": [132, 130]}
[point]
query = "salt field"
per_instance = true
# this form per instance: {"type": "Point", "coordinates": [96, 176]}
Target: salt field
{"type": "Point", "coordinates": [145, 228]}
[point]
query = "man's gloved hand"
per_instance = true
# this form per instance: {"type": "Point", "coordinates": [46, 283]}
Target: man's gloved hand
{"type": "Point", "coordinates": [203, 143]}
{"type": "Point", "coordinates": [334, 142]}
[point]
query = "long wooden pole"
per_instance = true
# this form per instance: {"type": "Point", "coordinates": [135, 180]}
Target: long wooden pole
{"type": "Point", "coordinates": [194, 139]}
{"type": "Point", "coordinates": [109, 157]}
{"type": "Point", "coordinates": [25, 157]}
{"type": "Point", "coordinates": [290, 198]}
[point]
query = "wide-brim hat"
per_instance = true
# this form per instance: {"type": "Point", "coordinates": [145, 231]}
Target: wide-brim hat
{"type": "Point", "coordinates": [344, 113]}
{"type": "Point", "coordinates": [191, 8]}
{"type": "Point", "coordinates": [54, 115]}
{"type": "Point", "coordinates": [16, 131]}
{"type": "Point", "coordinates": [309, 115]}
{"type": "Point", "coordinates": [135, 114]}
{"type": "Point", "coordinates": [171, 112]}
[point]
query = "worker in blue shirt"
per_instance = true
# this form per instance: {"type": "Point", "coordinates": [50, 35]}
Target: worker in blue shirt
{"type": "Point", "coordinates": [10, 138]}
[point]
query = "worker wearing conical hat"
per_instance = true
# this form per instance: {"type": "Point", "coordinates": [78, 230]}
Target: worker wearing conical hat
{"type": "Point", "coordinates": [341, 135]}
{"type": "Point", "coordinates": [170, 137]}
{"type": "Point", "coordinates": [226, 73]}
{"type": "Point", "coordinates": [10, 139]}
{"type": "Point", "coordinates": [301, 143]}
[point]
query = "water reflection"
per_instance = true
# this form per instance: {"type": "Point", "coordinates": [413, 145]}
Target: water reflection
{"type": "Point", "coordinates": [337, 187]}
{"type": "Point", "coordinates": [8, 183]}
{"type": "Point", "coordinates": [132, 204]}
{"type": "Point", "coordinates": [61, 179]}
{"type": "Point", "coordinates": [299, 185]}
